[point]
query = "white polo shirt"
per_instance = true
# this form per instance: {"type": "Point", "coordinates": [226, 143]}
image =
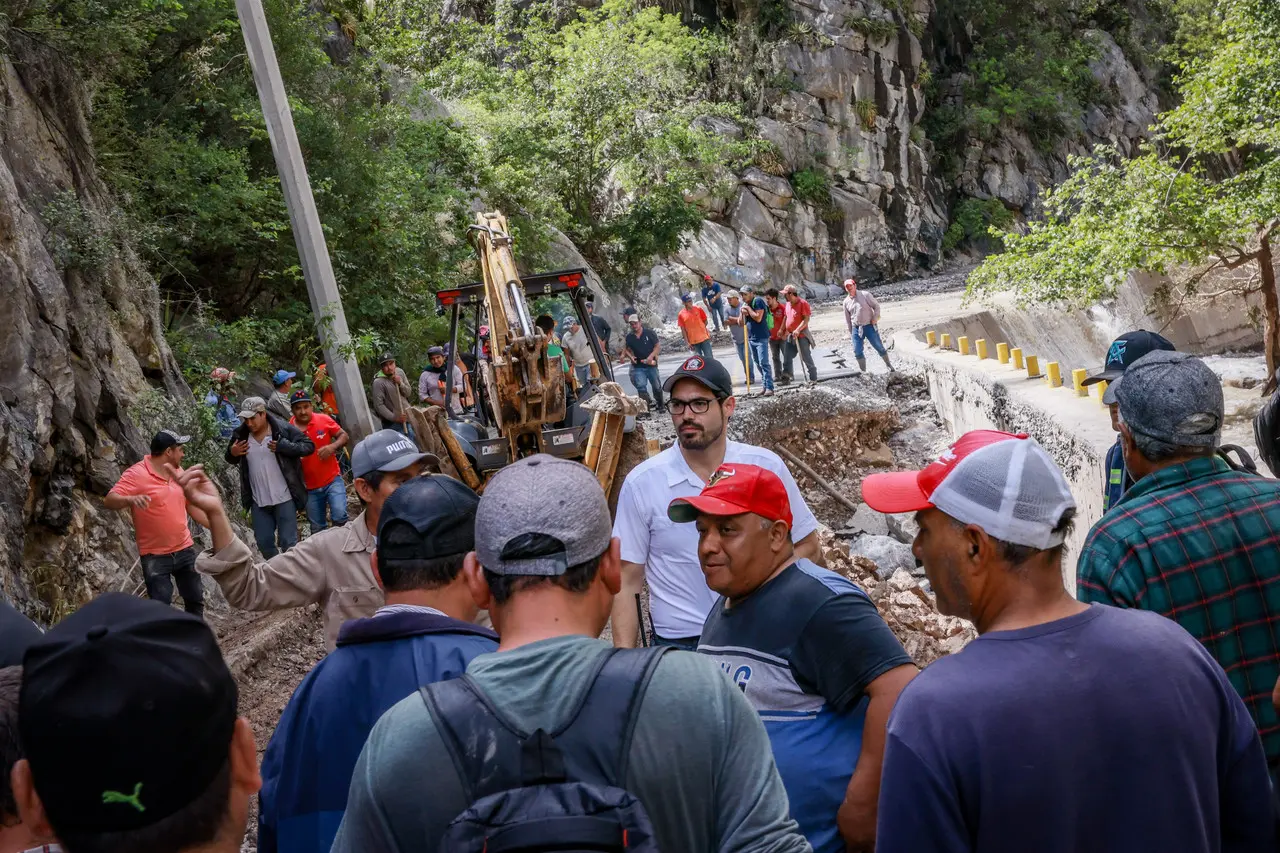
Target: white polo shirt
{"type": "Point", "coordinates": [679, 598]}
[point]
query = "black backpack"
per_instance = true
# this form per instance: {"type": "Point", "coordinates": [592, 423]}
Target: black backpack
{"type": "Point", "coordinates": [548, 791]}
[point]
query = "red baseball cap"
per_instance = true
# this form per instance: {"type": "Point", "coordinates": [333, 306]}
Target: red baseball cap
{"type": "Point", "coordinates": [734, 490]}
{"type": "Point", "coordinates": [912, 491]}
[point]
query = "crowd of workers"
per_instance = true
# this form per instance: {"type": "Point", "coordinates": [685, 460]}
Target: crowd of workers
{"type": "Point", "coordinates": [467, 704]}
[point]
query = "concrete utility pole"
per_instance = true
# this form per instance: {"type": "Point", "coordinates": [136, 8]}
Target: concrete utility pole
{"type": "Point", "coordinates": [326, 302]}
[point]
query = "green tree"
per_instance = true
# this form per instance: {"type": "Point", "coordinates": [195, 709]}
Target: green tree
{"type": "Point", "coordinates": [1201, 204]}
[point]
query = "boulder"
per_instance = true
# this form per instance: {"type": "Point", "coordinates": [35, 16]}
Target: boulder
{"type": "Point", "coordinates": [902, 526]}
{"type": "Point", "coordinates": [772, 190]}
{"type": "Point", "coordinates": [712, 251]}
{"type": "Point", "coordinates": [867, 520]}
{"type": "Point", "coordinates": [887, 553]}
{"type": "Point", "coordinates": [749, 217]}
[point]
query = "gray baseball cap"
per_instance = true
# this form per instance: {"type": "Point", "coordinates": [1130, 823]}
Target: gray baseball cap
{"type": "Point", "coordinates": [1173, 397]}
{"type": "Point", "coordinates": [387, 450]}
{"type": "Point", "coordinates": [541, 515]}
{"type": "Point", "coordinates": [251, 406]}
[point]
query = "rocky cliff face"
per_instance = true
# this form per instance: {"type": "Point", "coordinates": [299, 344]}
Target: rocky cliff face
{"type": "Point", "coordinates": [82, 341]}
{"type": "Point", "coordinates": [845, 103]}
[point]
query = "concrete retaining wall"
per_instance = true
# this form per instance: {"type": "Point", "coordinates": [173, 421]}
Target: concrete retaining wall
{"type": "Point", "coordinates": [1079, 338]}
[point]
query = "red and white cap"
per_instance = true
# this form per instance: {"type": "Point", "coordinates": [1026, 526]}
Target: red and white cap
{"type": "Point", "coordinates": [734, 490]}
{"type": "Point", "coordinates": [1004, 483]}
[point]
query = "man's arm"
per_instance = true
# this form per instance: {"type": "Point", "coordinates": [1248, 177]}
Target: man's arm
{"type": "Point", "coordinates": [292, 579]}
{"type": "Point", "coordinates": [848, 316]}
{"type": "Point", "coordinates": [1104, 571]}
{"type": "Point", "coordinates": [631, 528]}
{"type": "Point", "coordinates": [115, 500]}
{"type": "Point", "coordinates": [856, 818]}
{"type": "Point", "coordinates": [657, 351]}
{"type": "Point", "coordinates": [625, 619]}
{"type": "Point", "coordinates": [875, 308]}
{"type": "Point", "coordinates": [294, 442]}
{"type": "Point", "coordinates": [380, 398]}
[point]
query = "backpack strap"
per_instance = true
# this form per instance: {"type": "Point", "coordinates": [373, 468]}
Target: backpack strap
{"type": "Point", "coordinates": [492, 755]}
{"type": "Point", "coordinates": [596, 741]}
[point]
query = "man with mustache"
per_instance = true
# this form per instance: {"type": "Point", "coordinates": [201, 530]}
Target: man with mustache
{"type": "Point", "coordinates": [665, 553]}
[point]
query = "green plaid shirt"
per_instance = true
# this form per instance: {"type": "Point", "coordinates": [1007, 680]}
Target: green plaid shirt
{"type": "Point", "coordinates": [1200, 543]}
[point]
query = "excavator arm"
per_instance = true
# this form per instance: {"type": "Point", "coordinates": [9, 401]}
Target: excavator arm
{"type": "Point", "coordinates": [525, 387]}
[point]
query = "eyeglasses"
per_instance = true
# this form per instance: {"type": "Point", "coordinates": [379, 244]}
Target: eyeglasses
{"type": "Point", "coordinates": [698, 406]}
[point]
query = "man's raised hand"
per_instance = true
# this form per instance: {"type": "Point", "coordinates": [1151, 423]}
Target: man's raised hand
{"type": "Point", "coordinates": [202, 492]}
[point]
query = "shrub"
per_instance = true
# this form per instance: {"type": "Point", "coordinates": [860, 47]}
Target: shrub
{"type": "Point", "coordinates": [971, 221]}
{"type": "Point", "coordinates": [811, 185]}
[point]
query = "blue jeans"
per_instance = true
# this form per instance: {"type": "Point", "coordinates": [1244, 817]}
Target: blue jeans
{"type": "Point", "coordinates": [715, 312]}
{"type": "Point", "coordinates": [272, 524]}
{"type": "Point", "coordinates": [760, 357]}
{"type": "Point", "coordinates": [332, 497]}
{"type": "Point", "coordinates": [583, 372]}
{"type": "Point", "coordinates": [703, 349]}
{"type": "Point", "coordinates": [647, 373]}
{"type": "Point", "coordinates": [871, 335]}
{"type": "Point", "coordinates": [159, 571]}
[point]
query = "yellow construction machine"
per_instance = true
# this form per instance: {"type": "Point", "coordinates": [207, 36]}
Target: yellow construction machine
{"type": "Point", "coordinates": [521, 406]}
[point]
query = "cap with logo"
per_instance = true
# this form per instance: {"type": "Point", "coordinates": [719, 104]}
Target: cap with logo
{"type": "Point", "coordinates": [299, 396]}
{"type": "Point", "coordinates": [387, 450]}
{"type": "Point", "coordinates": [427, 518]}
{"type": "Point", "coordinates": [1124, 351]}
{"type": "Point", "coordinates": [734, 490]}
{"type": "Point", "coordinates": [166, 438]}
{"type": "Point", "coordinates": [385, 357]}
{"type": "Point", "coordinates": [118, 674]}
{"type": "Point", "coordinates": [687, 297]}
{"type": "Point", "coordinates": [1004, 483]}
{"type": "Point", "coordinates": [541, 515]}
{"type": "Point", "coordinates": [251, 406]}
{"type": "Point", "coordinates": [711, 373]}
{"type": "Point", "coordinates": [1173, 397]}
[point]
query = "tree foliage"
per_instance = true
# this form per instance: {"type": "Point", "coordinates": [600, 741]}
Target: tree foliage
{"type": "Point", "coordinates": [1202, 203]}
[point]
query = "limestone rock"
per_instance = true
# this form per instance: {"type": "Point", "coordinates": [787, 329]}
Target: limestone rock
{"type": "Point", "coordinates": [773, 191]}
{"type": "Point", "coordinates": [887, 553]}
{"type": "Point", "coordinates": [750, 218]}
{"type": "Point", "coordinates": [867, 520]}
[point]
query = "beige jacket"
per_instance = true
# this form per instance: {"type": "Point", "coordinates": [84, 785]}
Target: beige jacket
{"type": "Point", "coordinates": [330, 567]}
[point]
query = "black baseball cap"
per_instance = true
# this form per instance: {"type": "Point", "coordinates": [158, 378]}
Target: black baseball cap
{"type": "Point", "coordinates": [1127, 349]}
{"type": "Point", "coordinates": [299, 396]}
{"type": "Point", "coordinates": [166, 438]}
{"type": "Point", "coordinates": [100, 690]}
{"type": "Point", "coordinates": [708, 371]}
{"type": "Point", "coordinates": [428, 517]}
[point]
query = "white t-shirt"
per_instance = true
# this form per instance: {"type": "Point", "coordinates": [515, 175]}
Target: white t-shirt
{"type": "Point", "coordinates": [266, 480]}
{"type": "Point", "coordinates": [679, 598]}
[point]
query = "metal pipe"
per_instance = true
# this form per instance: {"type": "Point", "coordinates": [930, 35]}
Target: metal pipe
{"type": "Point", "coordinates": [450, 358]}
{"type": "Point", "coordinates": [813, 475]}
{"type": "Point", "coordinates": [516, 292]}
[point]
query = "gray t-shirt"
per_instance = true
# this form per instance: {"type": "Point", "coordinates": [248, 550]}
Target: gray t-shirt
{"type": "Point", "coordinates": [700, 761]}
{"type": "Point", "coordinates": [734, 312]}
{"type": "Point", "coordinates": [266, 480]}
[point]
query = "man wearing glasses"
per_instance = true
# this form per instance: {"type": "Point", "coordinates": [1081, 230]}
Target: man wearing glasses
{"type": "Point", "coordinates": [665, 553]}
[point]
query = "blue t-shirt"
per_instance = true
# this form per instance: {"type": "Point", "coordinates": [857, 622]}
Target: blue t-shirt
{"type": "Point", "coordinates": [758, 331]}
{"type": "Point", "coordinates": [803, 648]}
{"type": "Point", "coordinates": [1111, 731]}
{"type": "Point", "coordinates": [1118, 479]}
{"type": "Point", "coordinates": [710, 290]}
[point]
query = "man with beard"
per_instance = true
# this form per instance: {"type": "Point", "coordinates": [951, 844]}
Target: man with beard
{"type": "Point", "coordinates": [1064, 726]}
{"type": "Point", "coordinates": [655, 547]}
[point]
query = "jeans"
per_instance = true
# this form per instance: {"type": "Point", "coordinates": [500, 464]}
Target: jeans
{"type": "Point", "coordinates": [760, 357]}
{"type": "Point", "coordinates": [775, 350]}
{"type": "Point", "coordinates": [703, 349]}
{"type": "Point", "coordinates": [402, 428]}
{"type": "Point", "coordinates": [642, 373]}
{"type": "Point", "coordinates": [871, 335]}
{"type": "Point", "coordinates": [272, 523]}
{"type": "Point", "coordinates": [181, 565]}
{"type": "Point", "coordinates": [805, 345]}
{"type": "Point", "coordinates": [583, 372]}
{"type": "Point", "coordinates": [715, 311]}
{"type": "Point", "coordinates": [688, 644]}
{"type": "Point", "coordinates": [332, 497]}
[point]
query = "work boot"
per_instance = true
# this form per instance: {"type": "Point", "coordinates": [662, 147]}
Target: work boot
{"type": "Point", "coordinates": [862, 365]}
{"type": "Point", "coordinates": [885, 357]}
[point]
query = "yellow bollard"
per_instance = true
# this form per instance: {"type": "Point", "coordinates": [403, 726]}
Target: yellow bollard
{"type": "Point", "coordinates": [1033, 367]}
{"type": "Point", "coordinates": [1016, 354]}
{"type": "Point", "coordinates": [1002, 353]}
{"type": "Point", "coordinates": [1102, 390]}
{"type": "Point", "coordinates": [1078, 376]}
{"type": "Point", "coordinates": [946, 341]}
{"type": "Point", "coordinates": [982, 348]}
{"type": "Point", "coordinates": [931, 338]}
{"type": "Point", "coordinates": [963, 343]}
{"type": "Point", "coordinates": [1055, 375]}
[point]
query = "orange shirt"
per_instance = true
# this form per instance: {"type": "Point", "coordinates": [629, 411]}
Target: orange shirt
{"type": "Point", "coordinates": [323, 431]}
{"type": "Point", "coordinates": [323, 385]}
{"type": "Point", "coordinates": [694, 322]}
{"type": "Point", "coordinates": [162, 527]}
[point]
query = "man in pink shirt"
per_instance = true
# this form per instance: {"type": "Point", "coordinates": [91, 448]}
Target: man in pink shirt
{"type": "Point", "coordinates": [861, 314]}
{"type": "Point", "coordinates": [160, 512]}
{"type": "Point", "coordinates": [798, 337]}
